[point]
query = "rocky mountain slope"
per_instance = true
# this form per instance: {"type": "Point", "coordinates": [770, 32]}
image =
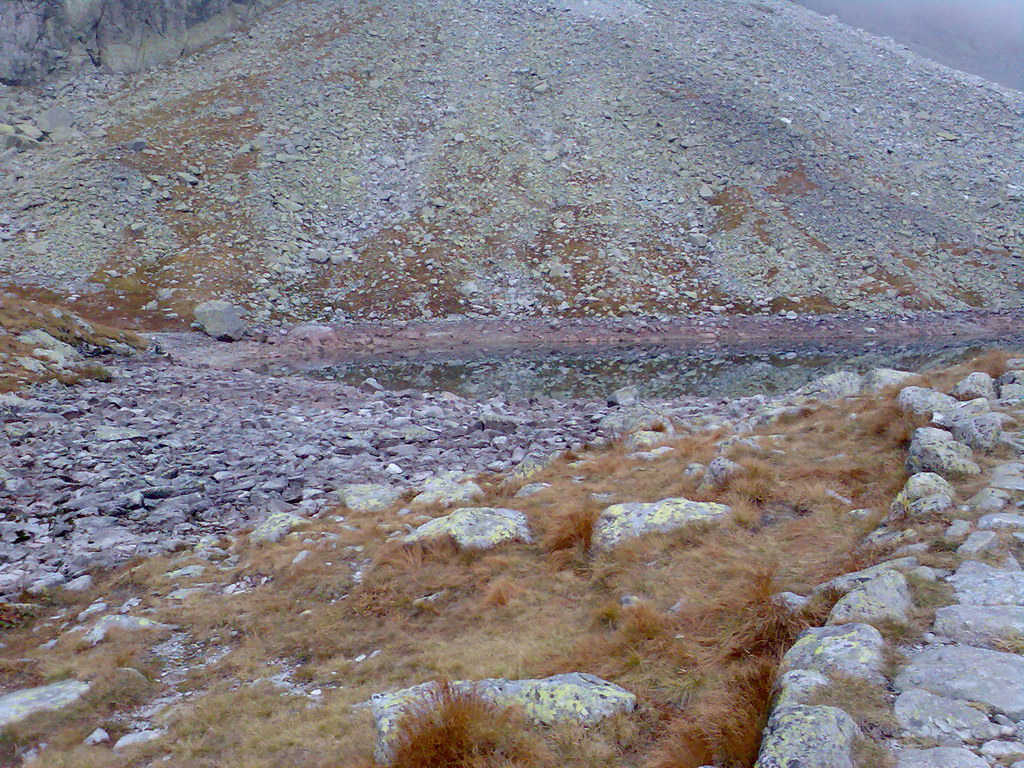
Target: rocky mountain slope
{"type": "Point", "coordinates": [553, 158]}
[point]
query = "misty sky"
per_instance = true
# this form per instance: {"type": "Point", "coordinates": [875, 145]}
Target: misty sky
{"type": "Point", "coordinates": [984, 37]}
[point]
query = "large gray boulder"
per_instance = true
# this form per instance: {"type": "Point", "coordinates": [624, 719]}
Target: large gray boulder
{"type": "Point", "coordinates": [935, 450]}
{"type": "Point", "coordinates": [118, 35]}
{"type": "Point", "coordinates": [848, 650]}
{"type": "Point", "coordinates": [924, 715]}
{"type": "Point", "coordinates": [921, 401]}
{"type": "Point", "coordinates": [18, 705]}
{"type": "Point", "coordinates": [808, 737]}
{"type": "Point", "coordinates": [221, 320]}
{"type": "Point", "coordinates": [878, 379]}
{"type": "Point", "coordinates": [886, 598]}
{"type": "Point", "coordinates": [974, 385]}
{"type": "Point", "coordinates": [981, 584]}
{"type": "Point", "coordinates": [989, 626]}
{"type": "Point", "coordinates": [833, 386]}
{"type": "Point", "coordinates": [992, 678]}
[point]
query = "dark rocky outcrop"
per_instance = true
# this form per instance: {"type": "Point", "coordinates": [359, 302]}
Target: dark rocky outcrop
{"type": "Point", "coordinates": [37, 36]}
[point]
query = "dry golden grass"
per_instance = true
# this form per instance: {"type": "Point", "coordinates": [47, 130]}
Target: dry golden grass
{"type": "Point", "coordinates": [703, 671]}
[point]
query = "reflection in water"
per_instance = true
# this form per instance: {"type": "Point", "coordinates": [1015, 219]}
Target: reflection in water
{"type": "Point", "coordinates": [657, 371]}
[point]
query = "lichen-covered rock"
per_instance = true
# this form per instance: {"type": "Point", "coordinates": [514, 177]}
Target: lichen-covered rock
{"type": "Point", "coordinates": [1001, 521]}
{"type": "Point", "coordinates": [221, 320]}
{"type": "Point", "coordinates": [99, 632]}
{"type": "Point", "coordinates": [979, 432]}
{"type": "Point", "coordinates": [808, 737]}
{"type": "Point", "coordinates": [18, 705]}
{"type": "Point", "coordinates": [572, 697]}
{"type": "Point", "coordinates": [921, 401]}
{"type": "Point", "coordinates": [924, 715]}
{"type": "Point", "coordinates": [476, 528]}
{"type": "Point", "coordinates": [991, 678]}
{"type": "Point", "coordinates": [529, 467]}
{"type": "Point", "coordinates": [275, 527]}
{"type": "Point", "coordinates": [833, 386]}
{"type": "Point", "coordinates": [850, 650]}
{"type": "Point", "coordinates": [981, 584]}
{"type": "Point", "coordinates": [886, 598]}
{"type": "Point", "coordinates": [369, 497]}
{"type": "Point", "coordinates": [979, 542]}
{"type": "Point", "coordinates": [974, 385]}
{"type": "Point", "coordinates": [918, 487]}
{"type": "Point", "coordinates": [990, 626]}
{"type": "Point", "coordinates": [447, 489]}
{"type": "Point", "coordinates": [645, 439]}
{"type": "Point", "coordinates": [797, 687]}
{"type": "Point", "coordinates": [1008, 477]}
{"type": "Point", "coordinates": [878, 379]}
{"type": "Point", "coordinates": [989, 500]}
{"type": "Point", "coordinates": [620, 522]}
{"type": "Point", "coordinates": [939, 757]}
{"type": "Point", "coordinates": [855, 579]}
{"type": "Point", "coordinates": [935, 450]}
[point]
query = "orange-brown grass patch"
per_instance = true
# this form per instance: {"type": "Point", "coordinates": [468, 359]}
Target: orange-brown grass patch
{"type": "Point", "coordinates": [456, 729]}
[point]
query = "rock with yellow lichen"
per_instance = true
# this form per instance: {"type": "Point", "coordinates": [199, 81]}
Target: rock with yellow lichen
{"type": "Point", "coordinates": [275, 527]}
{"type": "Point", "coordinates": [573, 697]}
{"type": "Point", "coordinates": [806, 737]}
{"type": "Point", "coordinates": [476, 528]}
{"type": "Point", "coordinates": [849, 650]}
{"type": "Point", "coordinates": [621, 522]}
{"type": "Point", "coordinates": [369, 497]}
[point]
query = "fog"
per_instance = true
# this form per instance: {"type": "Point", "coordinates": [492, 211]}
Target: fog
{"type": "Point", "coordinates": [983, 37]}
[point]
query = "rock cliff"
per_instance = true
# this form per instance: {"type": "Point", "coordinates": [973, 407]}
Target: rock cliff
{"type": "Point", "coordinates": [37, 36]}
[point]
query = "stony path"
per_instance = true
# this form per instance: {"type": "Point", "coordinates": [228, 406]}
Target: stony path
{"type": "Point", "coordinates": [958, 696]}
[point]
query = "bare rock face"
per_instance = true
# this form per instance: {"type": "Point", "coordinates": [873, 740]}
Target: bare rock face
{"type": "Point", "coordinates": [118, 35]}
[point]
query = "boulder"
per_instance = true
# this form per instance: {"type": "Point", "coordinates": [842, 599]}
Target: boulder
{"type": "Point", "coordinates": [808, 737]}
{"type": "Point", "coordinates": [855, 579]}
{"type": "Point", "coordinates": [99, 632]}
{"type": "Point", "coordinates": [1008, 477]}
{"type": "Point", "coordinates": [989, 500]}
{"type": "Point", "coordinates": [935, 450]}
{"type": "Point", "coordinates": [978, 542]}
{"type": "Point", "coordinates": [921, 401]}
{"type": "Point", "coordinates": [620, 522]}
{"type": "Point", "coordinates": [886, 598]}
{"type": "Point", "coordinates": [475, 528]}
{"type": "Point", "coordinates": [920, 486]}
{"type": "Point", "coordinates": [221, 320]}
{"type": "Point", "coordinates": [529, 467]}
{"type": "Point", "coordinates": [939, 757]}
{"type": "Point", "coordinates": [979, 432]}
{"type": "Point", "coordinates": [447, 489]}
{"type": "Point", "coordinates": [923, 715]}
{"type": "Point", "coordinates": [1001, 521]}
{"type": "Point", "coordinates": [275, 527]}
{"type": "Point", "coordinates": [981, 584]}
{"type": "Point", "coordinates": [974, 385]}
{"type": "Point", "coordinates": [637, 418]}
{"type": "Point", "coordinates": [18, 705]}
{"type": "Point", "coordinates": [573, 697]}
{"type": "Point", "coordinates": [833, 386]}
{"type": "Point", "coordinates": [849, 650]}
{"type": "Point", "coordinates": [879, 379]}
{"type": "Point", "coordinates": [719, 472]}
{"type": "Point", "coordinates": [991, 678]}
{"type": "Point", "coordinates": [989, 626]}
{"type": "Point", "coordinates": [797, 687]}
{"type": "Point", "coordinates": [369, 497]}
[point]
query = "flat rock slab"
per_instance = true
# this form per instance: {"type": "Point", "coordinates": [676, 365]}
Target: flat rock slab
{"type": "Point", "coordinates": [99, 632]}
{"type": "Point", "coordinates": [987, 677]}
{"type": "Point", "coordinates": [848, 650]}
{"type": "Point", "coordinates": [989, 626]}
{"type": "Point", "coordinates": [19, 705]}
{"type": "Point", "coordinates": [808, 737]}
{"type": "Point", "coordinates": [621, 522]}
{"type": "Point", "coordinates": [476, 528]}
{"type": "Point", "coordinates": [1008, 477]}
{"type": "Point", "coordinates": [573, 697]}
{"type": "Point", "coordinates": [941, 720]}
{"type": "Point", "coordinates": [980, 584]}
{"type": "Point", "coordinates": [940, 757]}
{"type": "Point", "coordinates": [370, 497]}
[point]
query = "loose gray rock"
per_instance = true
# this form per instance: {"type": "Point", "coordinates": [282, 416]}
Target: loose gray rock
{"type": "Point", "coordinates": [922, 401]}
{"type": "Point", "coordinates": [18, 705]}
{"type": "Point", "coordinates": [620, 522]}
{"type": "Point", "coordinates": [822, 737]}
{"type": "Point", "coordinates": [935, 450]}
{"type": "Point", "coordinates": [476, 528]}
{"type": "Point", "coordinates": [221, 320]}
{"type": "Point", "coordinates": [990, 626]}
{"type": "Point", "coordinates": [924, 715]}
{"type": "Point", "coordinates": [851, 650]}
{"type": "Point", "coordinates": [974, 385]}
{"type": "Point", "coordinates": [939, 757]}
{"type": "Point", "coordinates": [978, 583]}
{"type": "Point", "coordinates": [978, 542]}
{"type": "Point", "coordinates": [885, 598]}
